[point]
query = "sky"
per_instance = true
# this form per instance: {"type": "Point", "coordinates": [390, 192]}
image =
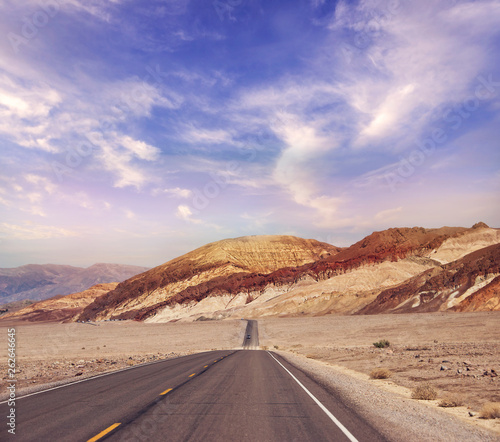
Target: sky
{"type": "Point", "coordinates": [134, 131]}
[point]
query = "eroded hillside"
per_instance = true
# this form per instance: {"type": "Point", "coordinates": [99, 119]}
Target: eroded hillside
{"type": "Point", "coordinates": [397, 270]}
{"type": "Point", "coordinates": [344, 283]}
{"type": "Point", "coordinates": [216, 261]}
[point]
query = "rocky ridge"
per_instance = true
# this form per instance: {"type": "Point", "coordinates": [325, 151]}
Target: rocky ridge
{"type": "Point", "coordinates": [344, 282]}
{"type": "Point", "coordinates": [397, 270]}
{"type": "Point", "coordinates": [470, 279]}
{"type": "Point", "coordinates": [220, 261]}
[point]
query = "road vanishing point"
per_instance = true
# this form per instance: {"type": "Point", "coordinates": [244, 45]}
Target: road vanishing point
{"type": "Point", "coordinates": [231, 395]}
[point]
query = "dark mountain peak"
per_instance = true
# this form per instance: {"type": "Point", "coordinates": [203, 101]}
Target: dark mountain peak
{"type": "Point", "coordinates": [480, 225]}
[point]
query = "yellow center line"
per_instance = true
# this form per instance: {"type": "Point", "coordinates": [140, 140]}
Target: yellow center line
{"type": "Point", "coordinates": [215, 361]}
{"type": "Point", "coordinates": [103, 433]}
{"type": "Point", "coordinates": [205, 366]}
{"type": "Point", "coordinates": [165, 392]}
{"type": "Point", "coordinates": [191, 375]}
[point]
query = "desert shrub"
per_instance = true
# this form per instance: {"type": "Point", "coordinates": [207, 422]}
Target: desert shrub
{"type": "Point", "coordinates": [276, 347]}
{"type": "Point", "coordinates": [424, 392]}
{"type": "Point", "coordinates": [380, 373]}
{"type": "Point", "coordinates": [383, 343]}
{"type": "Point", "coordinates": [451, 400]}
{"type": "Point", "coordinates": [490, 410]}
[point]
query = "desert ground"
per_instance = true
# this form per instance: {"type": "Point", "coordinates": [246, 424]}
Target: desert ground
{"type": "Point", "coordinates": [454, 352]}
{"type": "Point", "coordinates": [53, 353]}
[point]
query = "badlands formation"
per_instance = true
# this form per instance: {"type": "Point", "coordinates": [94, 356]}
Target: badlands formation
{"type": "Point", "coordinates": [217, 261]}
{"type": "Point", "coordinates": [343, 281]}
{"type": "Point", "coordinates": [398, 270]}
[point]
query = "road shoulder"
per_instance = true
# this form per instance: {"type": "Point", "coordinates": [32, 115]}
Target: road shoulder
{"type": "Point", "coordinates": [390, 409]}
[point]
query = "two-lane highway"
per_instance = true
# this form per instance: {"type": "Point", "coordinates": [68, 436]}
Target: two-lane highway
{"type": "Point", "coordinates": [248, 396]}
{"type": "Point", "coordinates": [79, 411]}
{"type": "Point", "coordinates": [212, 396]}
{"type": "Point", "coordinates": [251, 339]}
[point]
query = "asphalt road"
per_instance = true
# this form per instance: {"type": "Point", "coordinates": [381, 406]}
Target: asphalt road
{"type": "Point", "coordinates": [213, 396]}
{"type": "Point", "coordinates": [251, 338]}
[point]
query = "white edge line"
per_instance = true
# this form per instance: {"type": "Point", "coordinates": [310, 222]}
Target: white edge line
{"type": "Point", "coordinates": [327, 412]}
{"type": "Point", "coordinates": [92, 377]}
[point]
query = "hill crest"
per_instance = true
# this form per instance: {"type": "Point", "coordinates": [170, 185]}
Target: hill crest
{"type": "Point", "coordinates": [221, 259]}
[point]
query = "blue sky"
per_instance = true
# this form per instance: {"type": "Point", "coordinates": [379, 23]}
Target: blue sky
{"type": "Point", "coordinates": [135, 131]}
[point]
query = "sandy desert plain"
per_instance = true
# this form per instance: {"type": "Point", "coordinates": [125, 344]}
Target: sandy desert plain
{"type": "Point", "coordinates": [455, 353]}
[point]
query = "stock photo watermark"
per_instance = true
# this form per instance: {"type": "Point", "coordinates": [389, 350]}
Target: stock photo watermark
{"type": "Point", "coordinates": [11, 379]}
{"type": "Point", "coordinates": [486, 89]}
{"type": "Point", "coordinates": [33, 24]}
{"type": "Point", "coordinates": [149, 425]}
{"type": "Point", "coordinates": [214, 187]}
{"type": "Point", "coordinates": [225, 9]}
{"type": "Point", "coordinates": [371, 29]}
{"type": "Point", "coordinates": [74, 158]}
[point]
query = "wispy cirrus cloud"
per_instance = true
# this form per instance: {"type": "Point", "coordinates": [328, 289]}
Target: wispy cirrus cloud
{"type": "Point", "coordinates": [406, 77]}
{"type": "Point", "coordinates": [417, 63]}
{"type": "Point", "coordinates": [203, 136]}
{"type": "Point", "coordinates": [36, 116]}
{"type": "Point", "coordinates": [119, 160]}
{"type": "Point", "coordinates": [30, 231]}
{"type": "Point", "coordinates": [185, 213]}
{"type": "Point", "coordinates": [175, 192]}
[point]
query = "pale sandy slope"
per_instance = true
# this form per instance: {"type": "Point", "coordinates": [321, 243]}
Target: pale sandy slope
{"type": "Point", "coordinates": [456, 248]}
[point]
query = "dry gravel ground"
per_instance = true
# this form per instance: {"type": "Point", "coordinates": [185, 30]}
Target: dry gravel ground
{"type": "Point", "coordinates": [396, 415]}
{"type": "Point", "coordinates": [454, 352]}
{"type": "Point", "coordinates": [53, 353]}
{"type": "Point", "coordinates": [337, 349]}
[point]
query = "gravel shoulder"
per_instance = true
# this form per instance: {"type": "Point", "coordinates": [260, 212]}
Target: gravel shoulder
{"type": "Point", "coordinates": [456, 353]}
{"type": "Point", "coordinates": [390, 409]}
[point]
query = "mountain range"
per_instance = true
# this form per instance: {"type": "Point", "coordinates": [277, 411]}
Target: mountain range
{"type": "Point", "coordinates": [37, 282]}
{"type": "Point", "coordinates": [60, 308]}
{"type": "Point", "coordinates": [397, 270]}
